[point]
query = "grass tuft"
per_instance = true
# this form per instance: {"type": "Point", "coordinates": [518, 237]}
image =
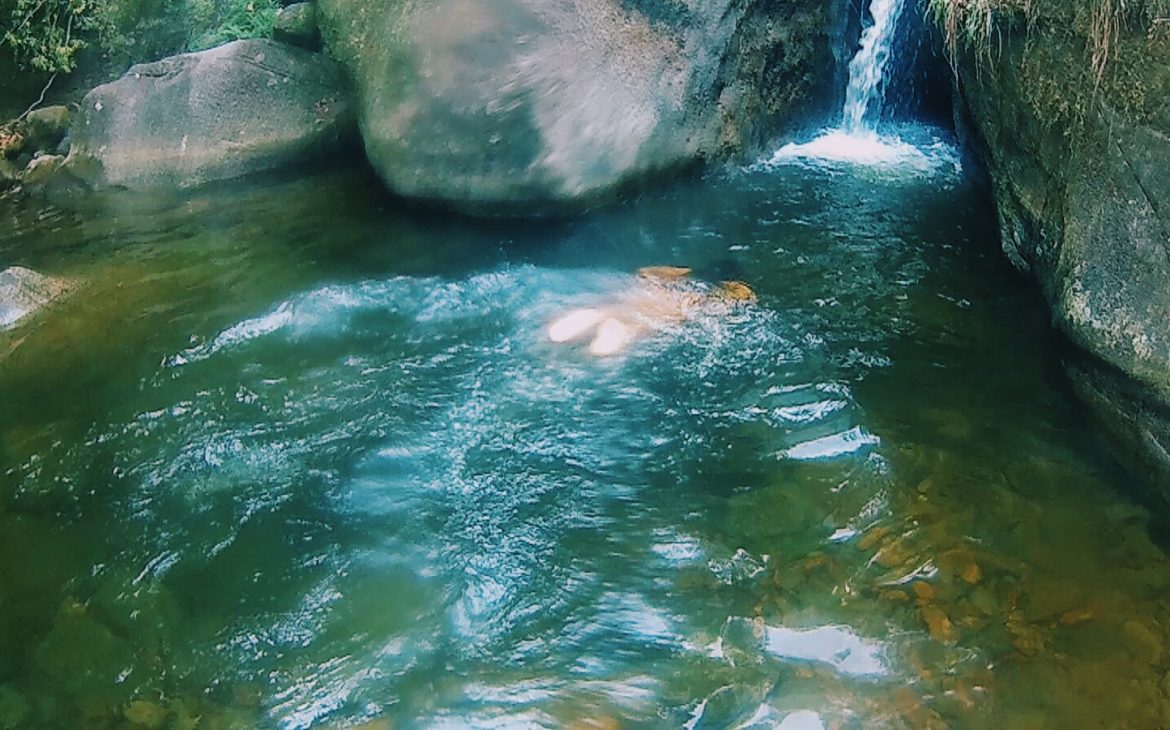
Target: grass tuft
{"type": "Point", "coordinates": [974, 25]}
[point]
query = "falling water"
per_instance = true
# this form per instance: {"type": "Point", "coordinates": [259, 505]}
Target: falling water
{"type": "Point", "coordinates": [863, 97]}
{"type": "Point", "coordinates": [903, 149]}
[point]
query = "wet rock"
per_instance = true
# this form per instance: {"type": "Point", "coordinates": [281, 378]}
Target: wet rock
{"type": "Point", "coordinates": [818, 562]}
{"type": "Point", "coordinates": [147, 714]}
{"type": "Point", "coordinates": [523, 106]}
{"type": "Point", "coordinates": [915, 712]}
{"type": "Point", "coordinates": [241, 108]}
{"type": "Point", "coordinates": [24, 291]}
{"type": "Point", "coordinates": [42, 170]}
{"type": "Point", "coordinates": [1143, 642]}
{"type": "Point", "coordinates": [937, 624]}
{"type": "Point", "coordinates": [1077, 616]}
{"type": "Point", "coordinates": [297, 24]}
{"type": "Point", "coordinates": [1026, 638]}
{"type": "Point", "coordinates": [971, 573]}
{"type": "Point", "coordinates": [960, 564]}
{"type": "Point", "coordinates": [895, 596]}
{"type": "Point", "coordinates": [893, 554]}
{"type": "Point", "coordinates": [1080, 162]}
{"type": "Point", "coordinates": [924, 592]}
{"type": "Point", "coordinates": [43, 129]}
{"type": "Point", "coordinates": [872, 538]}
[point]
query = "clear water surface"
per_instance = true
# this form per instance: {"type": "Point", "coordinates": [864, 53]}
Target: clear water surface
{"type": "Point", "coordinates": [292, 457]}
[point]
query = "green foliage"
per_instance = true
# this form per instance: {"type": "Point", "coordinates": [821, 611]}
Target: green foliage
{"type": "Point", "coordinates": [976, 24]}
{"type": "Point", "coordinates": [47, 35]}
{"type": "Point", "coordinates": [231, 20]}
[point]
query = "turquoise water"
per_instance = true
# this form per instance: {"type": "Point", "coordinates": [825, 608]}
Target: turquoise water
{"type": "Point", "coordinates": [292, 456]}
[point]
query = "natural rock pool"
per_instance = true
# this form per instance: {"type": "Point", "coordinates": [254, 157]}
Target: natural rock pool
{"type": "Point", "coordinates": [288, 456]}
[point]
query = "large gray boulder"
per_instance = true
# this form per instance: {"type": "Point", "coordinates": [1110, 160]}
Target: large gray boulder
{"type": "Point", "coordinates": [241, 108]}
{"type": "Point", "coordinates": [514, 106]}
{"type": "Point", "coordinates": [1080, 162]}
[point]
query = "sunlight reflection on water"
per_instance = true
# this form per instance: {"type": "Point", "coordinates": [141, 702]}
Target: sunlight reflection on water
{"type": "Point", "coordinates": [275, 482]}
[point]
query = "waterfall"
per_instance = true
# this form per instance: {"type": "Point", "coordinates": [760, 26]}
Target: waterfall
{"type": "Point", "coordinates": [864, 95]}
{"type": "Point", "coordinates": [906, 148]}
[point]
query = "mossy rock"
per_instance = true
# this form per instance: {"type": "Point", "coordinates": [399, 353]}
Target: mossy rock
{"type": "Point", "coordinates": [43, 129]}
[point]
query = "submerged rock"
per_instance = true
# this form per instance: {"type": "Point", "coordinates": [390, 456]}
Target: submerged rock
{"type": "Point", "coordinates": [23, 292]}
{"type": "Point", "coordinates": [241, 108]}
{"type": "Point", "coordinates": [1077, 141]}
{"type": "Point", "coordinates": [516, 106]}
{"type": "Point", "coordinates": [145, 713]}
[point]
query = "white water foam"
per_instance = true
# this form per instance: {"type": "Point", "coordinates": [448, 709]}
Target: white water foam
{"type": "Point", "coordinates": [914, 151]}
{"type": "Point", "coordinates": [909, 151]}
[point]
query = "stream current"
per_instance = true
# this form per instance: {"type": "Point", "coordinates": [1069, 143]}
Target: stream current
{"type": "Point", "coordinates": [291, 457]}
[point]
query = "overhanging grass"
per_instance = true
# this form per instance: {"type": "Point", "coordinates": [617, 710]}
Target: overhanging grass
{"type": "Point", "coordinates": [975, 25]}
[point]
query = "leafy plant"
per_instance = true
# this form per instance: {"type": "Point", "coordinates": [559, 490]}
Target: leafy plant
{"type": "Point", "coordinates": [47, 35]}
{"type": "Point", "coordinates": [235, 19]}
{"type": "Point", "coordinates": [975, 24]}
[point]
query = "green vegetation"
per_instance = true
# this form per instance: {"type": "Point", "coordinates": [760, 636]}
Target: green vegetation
{"type": "Point", "coordinates": [47, 35]}
{"type": "Point", "coordinates": [217, 23]}
{"type": "Point", "coordinates": [977, 24]}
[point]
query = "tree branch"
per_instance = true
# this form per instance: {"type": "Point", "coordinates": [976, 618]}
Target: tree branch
{"type": "Point", "coordinates": [39, 101]}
